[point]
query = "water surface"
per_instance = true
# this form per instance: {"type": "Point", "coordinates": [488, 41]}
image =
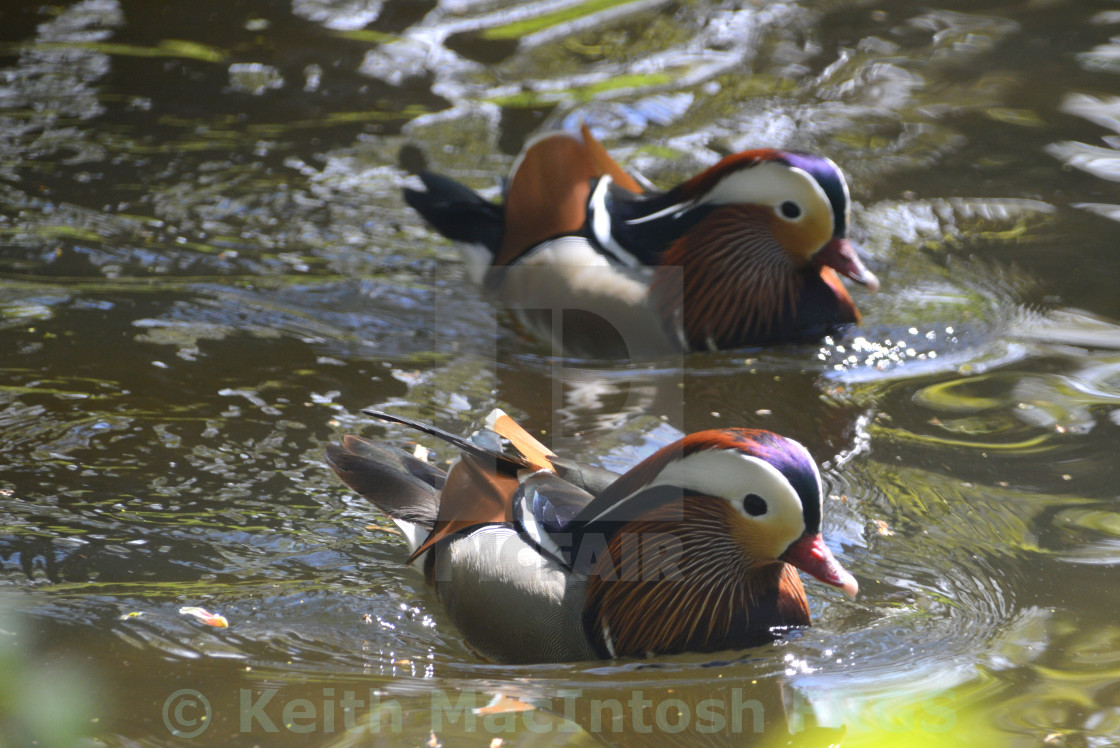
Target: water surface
{"type": "Point", "coordinates": [207, 272]}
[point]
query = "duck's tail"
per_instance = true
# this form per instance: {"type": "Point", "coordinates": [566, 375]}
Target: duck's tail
{"type": "Point", "coordinates": [404, 487]}
{"type": "Point", "coordinates": [458, 212]}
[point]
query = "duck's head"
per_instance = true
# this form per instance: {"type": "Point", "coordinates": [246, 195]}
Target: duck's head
{"type": "Point", "coordinates": [726, 509]}
{"type": "Point", "coordinates": [802, 198]}
{"type": "Point", "coordinates": [837, 252]}
{"type": "Point", "coordinates": [763, 489]}
{"type": "Point", "coordinates": [755, 227]}
{"type": "Point", "coordinates": [773, 494]}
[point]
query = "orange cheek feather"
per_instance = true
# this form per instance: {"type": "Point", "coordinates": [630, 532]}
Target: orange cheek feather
{"type": "Point", "coordinates": [843, 299]}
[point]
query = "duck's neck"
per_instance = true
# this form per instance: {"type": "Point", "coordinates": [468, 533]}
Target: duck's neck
{"type": "Point", "coordinates": [738, 281]}
{"type": "Point", "coordinates": [674, 583]}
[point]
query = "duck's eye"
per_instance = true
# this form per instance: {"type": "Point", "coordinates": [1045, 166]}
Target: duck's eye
{"type": "Point", "coordinates": [754, 505]}
{"type": "Point", "coordinates": [790, 209]}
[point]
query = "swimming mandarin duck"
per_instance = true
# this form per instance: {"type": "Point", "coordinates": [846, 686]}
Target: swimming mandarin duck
{"type": "Point", "coordinates": [745, 253]}
{"type": "Point", "coordinates": [538, 558]}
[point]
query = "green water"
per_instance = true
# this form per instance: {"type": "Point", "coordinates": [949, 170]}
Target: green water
{"type": "Point", "coordinates": [206, 272]}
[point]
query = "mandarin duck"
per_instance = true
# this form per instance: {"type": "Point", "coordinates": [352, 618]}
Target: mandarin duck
{"type": "Point", "coordinates": [745, 253]}
{"type": "Point", "coordinates": [538, 558]}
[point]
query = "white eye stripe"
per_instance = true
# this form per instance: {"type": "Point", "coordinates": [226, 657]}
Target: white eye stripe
{"type": "Point", "coordinates": [768, 183]}
{"type": "Point", "coordinates": [726, 473]}
{"type": "Point", "coordinates": [729, 475]}
{"type": "Point", "coordinates": [675, 208]}
{"type": "Point", "coordinates": [771, 183]}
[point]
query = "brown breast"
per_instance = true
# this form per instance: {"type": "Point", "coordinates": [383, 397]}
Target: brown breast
{"type": "Point", "coordinates": [675, 580]}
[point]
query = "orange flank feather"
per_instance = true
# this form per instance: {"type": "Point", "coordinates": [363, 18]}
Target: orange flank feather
{"type": "Point", "coordinates": [548, 192]}
{"type": "Point", "coordinates": [843, 298]}
{"type": "Point", "coordinates": [607, 165]}
{"type": "Point", "coordinates": [524, 442]}
{"type": "Point", "coordinates": [792, 603]}
{"type": "Point", "coordinates": [477, 494]}
{"type": "Point", "coordinates": [474, 494]}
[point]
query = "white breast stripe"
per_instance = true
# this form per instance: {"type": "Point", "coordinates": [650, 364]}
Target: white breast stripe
{"type": "Point", "coordinates": [601, 224]}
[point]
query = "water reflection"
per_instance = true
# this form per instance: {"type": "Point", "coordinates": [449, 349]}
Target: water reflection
{"type": "Point", "coordinates": [339, 14]}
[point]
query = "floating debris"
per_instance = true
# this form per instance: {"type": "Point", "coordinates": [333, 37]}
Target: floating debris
{"type": "Point", "coordinates": [502, 704]}
{"type": "Point", "coordinates": [205, 616]}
